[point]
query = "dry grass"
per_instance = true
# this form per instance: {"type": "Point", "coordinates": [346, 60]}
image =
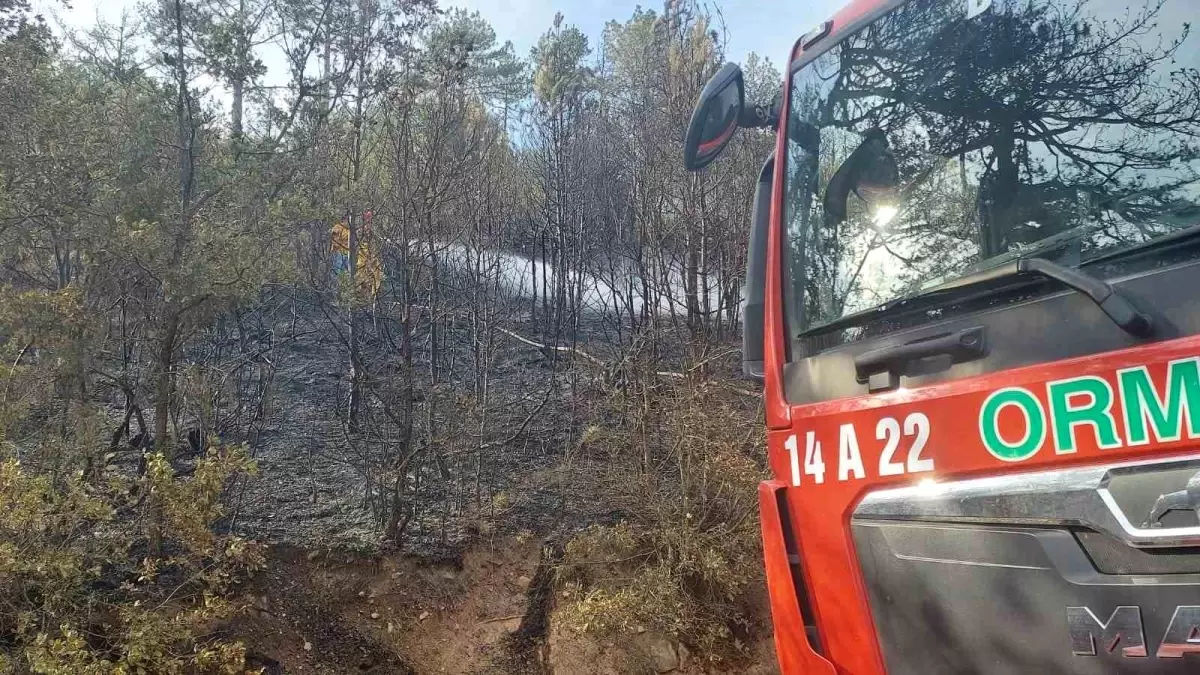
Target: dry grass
{"type": "Point", "coordinates": [685, 560]}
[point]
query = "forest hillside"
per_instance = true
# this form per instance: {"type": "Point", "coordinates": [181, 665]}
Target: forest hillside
{"type": "Point", "coordinates": [421, 356]}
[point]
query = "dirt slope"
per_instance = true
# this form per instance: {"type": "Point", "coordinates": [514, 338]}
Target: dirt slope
{"type": "Point", "coordinates": [344, 614]}
{"type": "Point", "coordinates": [387, 614]}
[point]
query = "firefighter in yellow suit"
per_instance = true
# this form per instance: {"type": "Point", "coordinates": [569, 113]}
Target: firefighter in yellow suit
{"type": "Point", "coordinates": [369, 274]}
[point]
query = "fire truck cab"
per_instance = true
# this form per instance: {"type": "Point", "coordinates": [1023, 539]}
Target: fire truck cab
{"type": "Point", "coordinates": [972, 300]}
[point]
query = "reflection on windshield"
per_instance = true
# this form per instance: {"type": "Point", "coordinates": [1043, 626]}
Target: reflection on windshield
{"type": "Point", "coordinates": [931, 143]}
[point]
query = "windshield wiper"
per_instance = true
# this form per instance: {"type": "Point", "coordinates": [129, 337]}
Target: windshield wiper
{"type": "Point", "coordinates": [1110, 301]}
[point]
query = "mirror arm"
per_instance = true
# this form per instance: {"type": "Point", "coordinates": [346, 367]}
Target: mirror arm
{"type": "Point", "coordinates": [759, 116]}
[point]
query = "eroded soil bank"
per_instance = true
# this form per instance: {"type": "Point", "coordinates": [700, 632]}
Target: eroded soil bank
{"type": "Point", "coordinates": [329, 613]}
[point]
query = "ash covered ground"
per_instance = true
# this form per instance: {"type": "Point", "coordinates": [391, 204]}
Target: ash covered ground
{"type": "Point", "coordinates": [314, 486]}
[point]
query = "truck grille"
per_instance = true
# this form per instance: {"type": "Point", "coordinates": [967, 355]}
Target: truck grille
{"type": "Point", "coordinates": [1081, 571]}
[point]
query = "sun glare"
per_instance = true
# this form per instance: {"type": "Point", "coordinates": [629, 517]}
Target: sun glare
{"type": "Point", "coordinates": [884, 215]}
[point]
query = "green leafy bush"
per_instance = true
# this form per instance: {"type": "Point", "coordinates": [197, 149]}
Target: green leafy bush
{"type": "Point", "coordinates": [81, 589]}
{"type": "Point", "coordinates": [77, 598]}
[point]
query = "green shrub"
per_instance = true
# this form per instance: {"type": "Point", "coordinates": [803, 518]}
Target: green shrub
{"type": "Point", "coordinates": [76, 598]}
{"type": "Point", "coordinates": [80, 590]}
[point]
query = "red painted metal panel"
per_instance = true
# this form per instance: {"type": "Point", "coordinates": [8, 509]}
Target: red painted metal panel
{"type": "Point", "coordinates": [821, 512]}
{"type": "Point", "coordinates": [852, 12]}
{"type": "Point", "coordinates": [792, 649]}
{"type": "Point", "coordinates": [774, 339]}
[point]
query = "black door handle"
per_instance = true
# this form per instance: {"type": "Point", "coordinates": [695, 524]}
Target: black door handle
{"type": "Point", "coordinates": [963, 345]}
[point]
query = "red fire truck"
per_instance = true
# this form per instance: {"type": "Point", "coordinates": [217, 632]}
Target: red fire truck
{"type": "Point", "coordinates": [973, 299]}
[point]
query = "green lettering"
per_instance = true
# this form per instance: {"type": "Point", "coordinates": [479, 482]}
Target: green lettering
{"type": "Point", "coordinates": [1143, 404]}
{"type": "Point", "coordinates": [1035, 424]}
{"type": "Point", "coordinates": [1097, 411]}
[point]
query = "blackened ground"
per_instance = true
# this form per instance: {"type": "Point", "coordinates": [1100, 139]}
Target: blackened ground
{"type": "Point", "coordinates": [312, 488]}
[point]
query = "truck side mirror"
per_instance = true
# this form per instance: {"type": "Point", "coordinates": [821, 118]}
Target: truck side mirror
{"type": "Point", "coordinates": [756, 275]}
{"type": "Point", "coordinates": [715, 118]}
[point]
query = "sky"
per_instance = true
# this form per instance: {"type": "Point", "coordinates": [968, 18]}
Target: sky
{"type": "Point", "coordinates": [768, 28]}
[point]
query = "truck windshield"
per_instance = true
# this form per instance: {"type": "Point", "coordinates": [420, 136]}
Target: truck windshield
{"type": "Point", "coordinates": [947, 137]}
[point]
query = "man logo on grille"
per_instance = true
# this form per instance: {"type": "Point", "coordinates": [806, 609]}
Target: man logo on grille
{"type": "Point", "coordinates": [1090, 636]}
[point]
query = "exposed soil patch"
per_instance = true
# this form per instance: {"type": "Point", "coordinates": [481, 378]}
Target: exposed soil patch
{"type": "Point", "coordinates": [346, 613]}
{"type": "Point", "coordinates": [488, 613]}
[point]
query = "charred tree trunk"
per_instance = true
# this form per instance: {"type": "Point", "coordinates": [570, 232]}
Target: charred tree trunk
{"type": "Point", "coordinates": [352, 412]}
